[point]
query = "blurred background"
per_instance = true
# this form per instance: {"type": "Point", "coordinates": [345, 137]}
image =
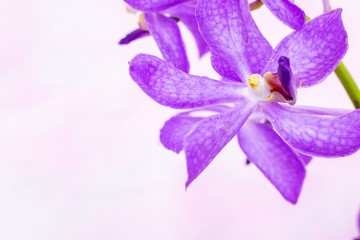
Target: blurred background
{"type": "Point", "coordinates": [80, 156]}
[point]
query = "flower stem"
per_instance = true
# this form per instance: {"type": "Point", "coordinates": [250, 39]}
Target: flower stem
{"type": "Point", "coordinates": [348, 83]}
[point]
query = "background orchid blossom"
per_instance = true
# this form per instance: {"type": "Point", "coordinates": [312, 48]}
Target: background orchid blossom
{"type": "Point", "coordinates": [161, 16]}
{"type": "Point", "coordinates": [239, 52]}
{"type": "Point", "coordinates": [160, 20]}
{"type": "Point", "coordinates": [285, 10]}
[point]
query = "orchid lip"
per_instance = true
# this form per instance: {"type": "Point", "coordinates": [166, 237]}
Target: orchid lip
{"type": "Point", "coordinates": [274, 87]}
{"type": "Point", "coordinates": [281, 83]}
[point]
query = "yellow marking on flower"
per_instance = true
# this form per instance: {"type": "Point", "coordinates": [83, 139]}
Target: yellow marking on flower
{"type": "Point", "coordinates": [254, 80]}
{"type": "Point", "coordinates": [300, 83]}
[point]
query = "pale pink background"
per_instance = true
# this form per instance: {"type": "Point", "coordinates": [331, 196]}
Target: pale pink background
{"type": "Point", "coordinates": [79, 151]}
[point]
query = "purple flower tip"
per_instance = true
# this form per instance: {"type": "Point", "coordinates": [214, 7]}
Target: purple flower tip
{"type": "Point", "coordinates": [136, 34]}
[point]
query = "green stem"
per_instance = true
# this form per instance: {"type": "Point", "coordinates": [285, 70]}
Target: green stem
{"type": "Point", "coordinates": [348, 83]}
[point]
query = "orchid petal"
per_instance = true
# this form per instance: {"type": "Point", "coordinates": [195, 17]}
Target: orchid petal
{"type": "Point", "coordinates": [258, 49]}
{"type": "Point", "coordinates": [167, 35]}
{"type": "Point", "coordinates": [304, 158]}
{"type": "Point", "coordinates": [333, 112]}
{"type": "Point", "coordinates": [287, 12]}
{"type": "Point", "coordinates": [224, 68]}
{"type": "Point", "coordinates": [275, 159]}
{"type": "Point", "coordinates": [174, 130]}
{"type": "Point", "coordinates": [153, 5]}
{"type": "Point", "coordinates": [172, 87]}
{"type": "Point", "coordinates": [231, 33]}
{"type": "Point", "coordinates": [225, 32]}
{"type": "Point", "coordinates": [210, 135]}
{"type": "Point", "coordinates": [316, 135]}
{"type": "Point", "coordinates": [315, 50]}
{"type": "Point", "coordinates": [186, 14]}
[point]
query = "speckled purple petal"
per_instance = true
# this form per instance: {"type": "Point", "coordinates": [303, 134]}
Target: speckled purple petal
{"type": "Point", "coordinates": [222, 66]}
{"type": "Point", "coordinates": [167, 35]}
{"type": "Point", "coordinates": [153, 5]}
{"type": "Point", "coordinates": [224, 30]}
{"type": "Point", "coordinates": [275, 159]}
{"type": "Point", "coordinates": [258, 49]}
{"type": "Point", "coordinates": [316, 135]}
{"type": "Point", "coordinates": [186, 14]}
{"type": "Point", "coordinates": [315, 50]}
{"type": "Point", "coordinates": [172, 87]}
{"type": "Point", "coordinates": [136, 34]}
{"type": "Point", "coordinates": [174, 130]}
{"type": "Point", "coordinates": [287, 12]}
{"type": "Point", "coordinates": [333, 112]}
{"type": "Point", "coordinates": [230, 32]}
{"type": "Point", "coordinates": [210, 135]}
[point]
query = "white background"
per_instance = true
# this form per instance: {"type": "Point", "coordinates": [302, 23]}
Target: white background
{"type": "Point", "coordinates": [80, 156]}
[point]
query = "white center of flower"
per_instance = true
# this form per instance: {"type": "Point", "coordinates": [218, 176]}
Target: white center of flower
{"type": "Point", "coordinates": [258, 88]}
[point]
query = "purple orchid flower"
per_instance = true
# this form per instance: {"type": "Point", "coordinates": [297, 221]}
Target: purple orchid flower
{"type": "Point", "coordinates": [161, 23]}
{"type": "Point", "coordinates": [264, 77]}
{"type": "Point", "coordinates": [161, 16]}
{"type": "Point", "coordinates": [285, 10]}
